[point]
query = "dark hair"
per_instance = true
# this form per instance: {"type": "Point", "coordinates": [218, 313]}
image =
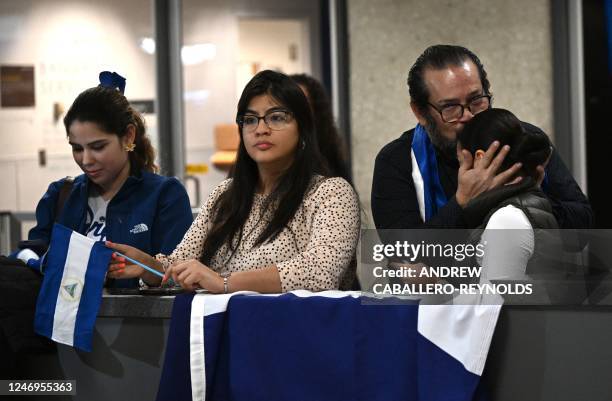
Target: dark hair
{"type": "Point", "coordinates": [111, 111]}
{"type": "Point", "coordinates": [439, 57]}
{"type": "Point", "coordinates": [530, 148]}
{"type": "Point", "coordinates": [232, 208]}
{"type": "Point", "coordinates": [331, 145]}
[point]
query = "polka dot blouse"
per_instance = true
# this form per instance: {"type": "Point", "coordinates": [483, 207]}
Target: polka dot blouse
{"type": "Point", "coordinates": [313, 252]}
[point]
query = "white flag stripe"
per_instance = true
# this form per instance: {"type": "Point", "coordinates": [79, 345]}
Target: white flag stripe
{"type": "Point", "coordinates": [201, 306]}
{"type": "Point", "coordinates": [419, 186]}
{"type": "Point", "coordinates": [326, 294]}
{"type": "Point", "coordinates": [463, 331]}
{"type": "Point", "coordinates": [69, 295]}
{"type": "Point", "coordinates": [196, 356]}
{"type": "Point", "coordinates": [218, 303]}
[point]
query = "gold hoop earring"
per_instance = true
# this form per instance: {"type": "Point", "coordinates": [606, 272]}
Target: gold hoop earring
{"type": "Point", "coordinates": [129, 147]}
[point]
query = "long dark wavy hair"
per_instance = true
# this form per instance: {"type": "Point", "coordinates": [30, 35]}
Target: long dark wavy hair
{"type": "Point", "coordinates": [233, 206]}
{"type": "Point", "coordinates": [111, 111]}
{"type": "Point", "coordinates": [331, 144]}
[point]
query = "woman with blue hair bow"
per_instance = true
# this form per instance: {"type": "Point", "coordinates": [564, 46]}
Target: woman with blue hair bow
{"type": "Point", "coordinates": [119, 197]}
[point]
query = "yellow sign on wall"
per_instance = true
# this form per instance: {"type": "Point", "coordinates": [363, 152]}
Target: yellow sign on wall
{"type": "Point", "coordinates": [200, 168]}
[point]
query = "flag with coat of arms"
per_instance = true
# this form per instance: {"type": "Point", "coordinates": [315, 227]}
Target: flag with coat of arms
{"type": "Point", "coordinates": [71, 291]}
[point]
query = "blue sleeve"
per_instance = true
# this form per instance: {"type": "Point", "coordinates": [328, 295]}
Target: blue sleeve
{"type": "Point", "coordinates": [173, 217]}
{"type": "Point", "coordinates": [45, 213]}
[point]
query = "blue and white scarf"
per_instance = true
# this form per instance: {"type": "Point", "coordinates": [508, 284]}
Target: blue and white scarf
{"type": "Point", "coordinates": [430, 194]}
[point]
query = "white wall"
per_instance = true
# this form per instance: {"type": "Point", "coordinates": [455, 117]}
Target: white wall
{"type": "Point", "coordinates": [213, 87]}
{"type": "Point", "coordinates": [68, 43]}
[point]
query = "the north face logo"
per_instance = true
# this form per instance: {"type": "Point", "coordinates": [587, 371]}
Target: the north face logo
{"type": "Point", "coordinates": [139, 228]}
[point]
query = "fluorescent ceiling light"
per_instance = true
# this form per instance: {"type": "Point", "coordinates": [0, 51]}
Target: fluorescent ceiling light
{"type": "Point", "coordinates": [195, 54]}
{"type": "Point", "coordinates": [190, 54]}
{"type": "Point", "coordinates": [147, 45]}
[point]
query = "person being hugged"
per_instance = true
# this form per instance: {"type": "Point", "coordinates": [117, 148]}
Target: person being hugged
{"type": "Point", "coordinates": [519, 209]}
{"type": "Point", "coordinates": [279, 223]}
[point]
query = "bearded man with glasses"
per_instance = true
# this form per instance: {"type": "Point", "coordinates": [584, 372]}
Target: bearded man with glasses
{"type": "Point", "coordinates": [422, 181]}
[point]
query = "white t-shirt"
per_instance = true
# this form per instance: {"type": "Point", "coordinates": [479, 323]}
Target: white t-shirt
{"type": "Point", "coordinates": [509, 244]}
{"type": "Point", "coordinates": [96, 217]}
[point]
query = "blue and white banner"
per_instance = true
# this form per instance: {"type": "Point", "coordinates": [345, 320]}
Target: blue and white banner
{"type": "Point", "coordinates": [430, 194]}
{"type": "Point", "coordinates": [324, 346]}
{"type": "Point", "coordinates": [71, 291]}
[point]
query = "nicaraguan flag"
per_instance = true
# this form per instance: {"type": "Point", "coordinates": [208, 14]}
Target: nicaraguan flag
{"type": "Point", "coordinates": [430, 195]}
{"type": "Point", "coordinates": [324, 346]}
{"type": "Point", "coordinates": [71, 291]}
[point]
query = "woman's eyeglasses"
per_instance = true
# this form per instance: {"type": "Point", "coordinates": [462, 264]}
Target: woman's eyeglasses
{"type": "Point", "coordinates": [275, 120]}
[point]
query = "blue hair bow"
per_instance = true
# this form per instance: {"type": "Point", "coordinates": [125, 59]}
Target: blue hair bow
{"type": "Point", "coordinates": [112, 80]}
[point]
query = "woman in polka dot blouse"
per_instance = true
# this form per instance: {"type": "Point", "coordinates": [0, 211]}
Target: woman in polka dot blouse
{"type": "Point", "coordinates": [280, 223]}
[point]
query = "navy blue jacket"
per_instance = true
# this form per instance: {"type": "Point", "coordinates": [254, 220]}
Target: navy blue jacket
{"type": "Point", "coordinates": [150, 212]}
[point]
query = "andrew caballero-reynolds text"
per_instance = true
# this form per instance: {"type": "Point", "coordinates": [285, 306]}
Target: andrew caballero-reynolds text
{"type": "Point", "coordinates": [449, 289]}
{"type": "Point", "coordinates": [413, 272]}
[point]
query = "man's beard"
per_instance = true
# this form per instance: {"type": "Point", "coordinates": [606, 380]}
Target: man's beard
{"type": "Point", "coordinates": [446, 146]}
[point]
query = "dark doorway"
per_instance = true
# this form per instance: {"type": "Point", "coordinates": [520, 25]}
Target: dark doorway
{"type": "Point", "coordinates": [597, 25]}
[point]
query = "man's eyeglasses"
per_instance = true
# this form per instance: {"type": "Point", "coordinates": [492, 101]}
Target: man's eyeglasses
{"type": "Point", "coordinates": [451, 113]}
{"type": "Point", "coordinates": [275, 120]}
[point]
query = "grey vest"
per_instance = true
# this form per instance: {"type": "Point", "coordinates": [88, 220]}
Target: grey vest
{"type": "Point", "coordinates": [547, 240]}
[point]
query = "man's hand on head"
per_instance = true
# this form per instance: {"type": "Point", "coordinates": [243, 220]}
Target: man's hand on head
{"type": "Point", "coordinates": [478, 176]}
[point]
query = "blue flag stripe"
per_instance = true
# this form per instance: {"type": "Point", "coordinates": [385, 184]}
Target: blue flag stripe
{"type": "Point", "coordinates": [49, 291]}
{"type": "Point", "coordinates": [425, 155]}
{"type": "Point", "coordinates": [91, 296]}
